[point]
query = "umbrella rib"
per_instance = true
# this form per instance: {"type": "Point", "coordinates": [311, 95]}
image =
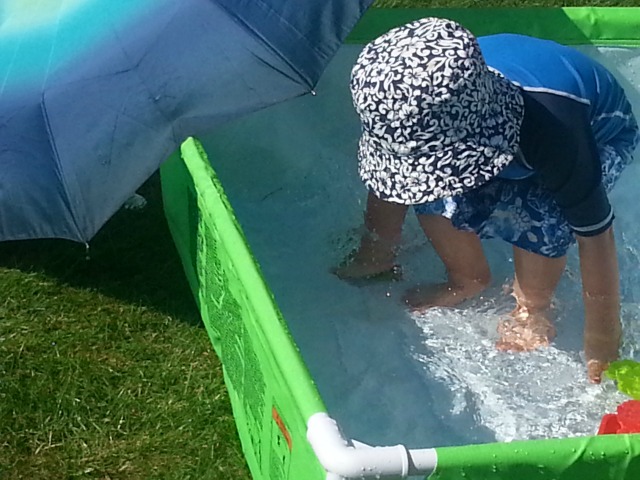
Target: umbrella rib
{"type": "Point", "coordinates": [303, 78]}
{"type": "Point", "coordinates": [279, 70]}
{"type": "Point", "coordinates": [61, 173]}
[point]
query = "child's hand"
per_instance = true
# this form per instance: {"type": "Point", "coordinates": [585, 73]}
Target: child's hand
{"type": "Point", "coordinates": [372, 258]}
{"type": "Point", "coordinates": [600, 348]}
{"type": "Point", "coordinates": [365, 271]}
{"type": "Point", "coordinates": [377, 251]}
{"type": "Point", "coordinates": [595, 369]}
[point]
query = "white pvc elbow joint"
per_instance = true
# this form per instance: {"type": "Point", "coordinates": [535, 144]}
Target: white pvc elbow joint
{"type": "Point", "coordinates": [341, 457]}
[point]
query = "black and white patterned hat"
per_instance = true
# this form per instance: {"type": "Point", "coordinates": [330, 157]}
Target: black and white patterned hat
{"type": "Point", "coordinates": [436, 120]}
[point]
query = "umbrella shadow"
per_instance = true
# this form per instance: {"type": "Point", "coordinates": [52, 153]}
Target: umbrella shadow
{"type": "Point", "coordinates": [132, 259]}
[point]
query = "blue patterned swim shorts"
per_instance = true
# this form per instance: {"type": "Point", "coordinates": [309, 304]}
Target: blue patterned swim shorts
{"type": "Point", "coordinates": [522, 212]}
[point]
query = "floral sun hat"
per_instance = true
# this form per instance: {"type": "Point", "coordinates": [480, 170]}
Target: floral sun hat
{"type": "Point", "coordinates": [436, 120]}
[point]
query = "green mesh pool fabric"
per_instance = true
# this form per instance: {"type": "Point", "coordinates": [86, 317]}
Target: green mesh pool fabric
{"type": "Point", "coordinates": [271, 392]}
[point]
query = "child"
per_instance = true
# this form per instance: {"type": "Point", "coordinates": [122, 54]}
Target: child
{"type": "Point", "coordinates": [503, 136]}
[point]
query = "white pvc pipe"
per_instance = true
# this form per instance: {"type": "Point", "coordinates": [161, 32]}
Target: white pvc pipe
{"type": "Point", "coordinates": [343, 458]}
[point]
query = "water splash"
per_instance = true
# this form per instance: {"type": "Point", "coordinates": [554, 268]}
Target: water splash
{"type": "Point", "coordinates": [540, 394]}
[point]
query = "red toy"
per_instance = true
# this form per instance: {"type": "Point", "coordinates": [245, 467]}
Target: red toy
{"type": "Point", "coordinates": [626, 420]}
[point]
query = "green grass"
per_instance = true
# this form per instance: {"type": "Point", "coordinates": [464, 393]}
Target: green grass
{"type": "Point", "coordinates": [105, 369]}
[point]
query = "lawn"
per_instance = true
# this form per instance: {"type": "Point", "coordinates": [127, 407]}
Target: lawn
{"type": "Point", "coordinates": [105, 369]}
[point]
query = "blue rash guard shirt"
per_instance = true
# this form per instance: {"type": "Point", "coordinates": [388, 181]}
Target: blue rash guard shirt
{"type": "Point", "coordinates": [573, 107]}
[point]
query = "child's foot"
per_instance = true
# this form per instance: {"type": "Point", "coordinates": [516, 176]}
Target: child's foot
{"type": "Point", "coordinates": [428, 296]}
{"type": "Point", "coordinates": [525, 331]}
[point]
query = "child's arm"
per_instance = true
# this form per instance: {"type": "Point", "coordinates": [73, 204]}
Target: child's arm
{"type": "Point", "coordinates": [376, 253]}
{"type": "Point", "coordinates": [601, 294]}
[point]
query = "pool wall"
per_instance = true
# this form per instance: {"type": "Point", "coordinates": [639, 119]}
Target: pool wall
{"type": "Point", "coordinates": [283, 425]}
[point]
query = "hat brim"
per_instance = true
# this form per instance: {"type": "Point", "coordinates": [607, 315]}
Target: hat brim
{"type": "Point", "coordinates": [441, 170]}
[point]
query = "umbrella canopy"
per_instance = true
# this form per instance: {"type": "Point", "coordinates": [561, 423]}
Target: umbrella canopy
{"type": "Point", "coordinates": [95, 94]}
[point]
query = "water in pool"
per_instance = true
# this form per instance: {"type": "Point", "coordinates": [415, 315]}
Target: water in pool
{"type": "Point", "coordinates": [387, 376]}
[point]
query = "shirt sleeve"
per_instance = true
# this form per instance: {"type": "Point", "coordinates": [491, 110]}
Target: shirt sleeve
{"type": "Point", "coordinates": [558, 143]}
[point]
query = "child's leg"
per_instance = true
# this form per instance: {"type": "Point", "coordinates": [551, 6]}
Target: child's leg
{"type": "Point", "coordinates": [536, 279]}
{"type": "Point", "coordinates": [376, 253]}
{"type": "Point", "coordinates": [466, 265]}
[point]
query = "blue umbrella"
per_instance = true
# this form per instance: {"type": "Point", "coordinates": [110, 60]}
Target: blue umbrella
{"type": "Point", "coordinates": [95, 94]}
